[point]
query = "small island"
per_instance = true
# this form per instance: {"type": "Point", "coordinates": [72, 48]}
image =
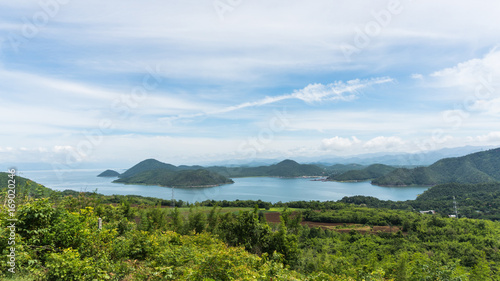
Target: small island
{"type": "Point", "coordinates": [186, 178]}
{"type": "Point", "coordinates": [109, 174]}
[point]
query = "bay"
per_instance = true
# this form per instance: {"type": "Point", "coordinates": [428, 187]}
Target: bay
{"type": "Point", "coordinates": [267, 189]}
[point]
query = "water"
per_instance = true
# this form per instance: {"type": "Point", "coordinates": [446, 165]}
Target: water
{"type": "Point", "coordinates": [265, 188]}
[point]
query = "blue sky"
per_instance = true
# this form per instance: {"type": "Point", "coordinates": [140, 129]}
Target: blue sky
{"type": "Point", "coordinates": [190, 82]}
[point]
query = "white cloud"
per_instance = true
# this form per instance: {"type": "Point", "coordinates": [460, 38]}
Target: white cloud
{"type": "Point", "coordinates": [490, 138]}
{"type": "Point", "coordinates": [474, 84]}
{"type": "Point", "coordinates": [473, 73]}
{"type": "Point", "coordinates": [487, 106]}
{"type": "Point", "coordinates": [344, 91]}
{"type": "Point", "coordinates": [417, 76]}
{"type": "Point", "coordinates": [222, 67]}
{"type": "Point", "coordinates": [339, 143]}
{"type": "Point", "coordinates": [382, 142]}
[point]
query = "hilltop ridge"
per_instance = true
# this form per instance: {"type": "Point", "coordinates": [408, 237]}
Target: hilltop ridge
{"type": "Point", "coordinates": [479, 167]}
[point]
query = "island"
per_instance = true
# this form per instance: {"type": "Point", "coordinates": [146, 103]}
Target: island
{"type": "Point", "coordinates": [109, 174]}
{"type": "Point", "coordinates": [184, 178]}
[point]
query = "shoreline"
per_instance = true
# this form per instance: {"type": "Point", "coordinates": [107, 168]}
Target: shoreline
{"type": "Point", "coordinates": [175, 186]}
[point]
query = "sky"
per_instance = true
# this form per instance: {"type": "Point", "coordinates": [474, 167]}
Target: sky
{"type": "Point", "coordinates": [193, 82]}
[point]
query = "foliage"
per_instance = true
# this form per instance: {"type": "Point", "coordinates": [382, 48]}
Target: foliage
{"type": "Point", "coordinates": [480, 167]}
{"type": "Point", "coordinates": [368, 173]}
{"type": "Point", "coordinates": [147, 165]}
{"type": "Point", "coordinates": [186, 178]}
{"type": "Point", "coordinates": [480, 201]}
{"type": "Point", "coordinates": [286, 168]}
{"type": "Point", "coordinates": [25, 188]}
{"type": "Point", "coordinates": [57, 238]}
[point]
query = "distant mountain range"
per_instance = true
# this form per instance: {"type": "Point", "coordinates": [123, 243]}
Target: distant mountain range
{"type": "Point", "coordinates": [479, 167]}
{"type": "Point", "coordinates": [140, 172]}
{"type": "Point", "coordinates": [423, 158]}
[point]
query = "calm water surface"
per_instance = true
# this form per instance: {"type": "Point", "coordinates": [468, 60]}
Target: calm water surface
{"type": "Point", "coordinates": [265, 188]}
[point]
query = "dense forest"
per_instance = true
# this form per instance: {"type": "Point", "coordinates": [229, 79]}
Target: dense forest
{"type": "Point", "coordinates": [477, 167]}
{"type": "Point", "coordinates": [186, 178]}
{"type": "Point", "coordinates": [371, 172]}
{"type": "Point", "coordinates": [286, 168]}
{"type": "Point", "coordinates": [57, 238]}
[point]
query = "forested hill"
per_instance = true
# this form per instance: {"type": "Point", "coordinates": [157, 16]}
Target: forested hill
{"type": "Point", "coordinates": [286, 168]}
{"type": "Point", "coordinates": [147, 165]}
{"type": "Point", "coordinates": [186, 178]}
{"type": "Point", "coordinates": [371, 172]}
{"type": "Point", "coordinates": [109, 173]}
{"type": "Point", "coordinates": [290, 168]}
{"type": "Point", "coordinates": [480, 167]}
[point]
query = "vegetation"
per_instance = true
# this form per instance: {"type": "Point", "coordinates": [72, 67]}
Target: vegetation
{"type": "Point", "coordinates": [109, 173]}
{"type": "Point", "coordinates": [371, 172]}
{"type": "Point", "coordinates": [338, 169]}
{"type": "Point", "coordinates": [187, 178]}
{"type": "Point", "coordinates": [57, 238]}
{"type": "Point", "coordinates": [286, 168]}
{"type": "Point", "coordinates": [147, 165]}
{"type": "Point", "coordinates": [478, 167]}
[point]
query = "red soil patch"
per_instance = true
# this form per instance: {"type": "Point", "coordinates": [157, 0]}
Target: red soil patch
{"type": "Point", "coordinates": [274, 217]}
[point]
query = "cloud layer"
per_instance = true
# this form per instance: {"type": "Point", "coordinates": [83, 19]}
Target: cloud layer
{"type": "Point", "coordinates": [178, 80]}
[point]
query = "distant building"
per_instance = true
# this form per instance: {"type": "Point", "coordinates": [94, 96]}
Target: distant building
{"type": "Point", "coordinates": [428, 212]}
{"type": "Point", "coordinates": [452, 216]}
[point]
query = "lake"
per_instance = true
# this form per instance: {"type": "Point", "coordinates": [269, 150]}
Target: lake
{"type": "Point", "coordinates": [265, 188]}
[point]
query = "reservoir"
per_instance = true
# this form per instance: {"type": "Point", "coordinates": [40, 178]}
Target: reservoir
{"type": "Point", "coordinates": [267, 189]}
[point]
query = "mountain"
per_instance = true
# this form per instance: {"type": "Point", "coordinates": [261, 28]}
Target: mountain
{"type": "Point", "coordinates": [184, 178]}
{"type": "Point", "coordinates": [421, 158]}
{"type": "Point", "coordinates": [286, 168]}
{"type": "Point", "coordinates": [480, 167]}
{"type": "Point", "coordinates": [109, 173]}
{"type": "Point", "coordinates": [338, 169]}
{"type": "Point", "coordinates": [147, 165]}
{"type": "Point", "coordinates": [371, 172]}
{"type": "Point", "coordinates": [290, 168]}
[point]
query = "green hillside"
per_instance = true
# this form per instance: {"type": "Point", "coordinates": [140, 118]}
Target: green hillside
{"type": "Point", "coordinates": [286, 168]}
{"type": "Point", "coordinates": [24, 187]}
{"type": "Point", "coordinates": [58, 240]}
{"type": "Point", "coordinates": [109, 173]}
{"type": "Point", "coordinates": [186, 178]}
{"type": "Point", "coordinates": [338, 169]}
{"type": "Point", "coordinates": [290, 168]}
{"type": "Point", "coordinates": [147, 165]}
{"type": "Point", "coordinates": [478, 167]}
{"type": "Point", "coordinates": [368, 173]}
